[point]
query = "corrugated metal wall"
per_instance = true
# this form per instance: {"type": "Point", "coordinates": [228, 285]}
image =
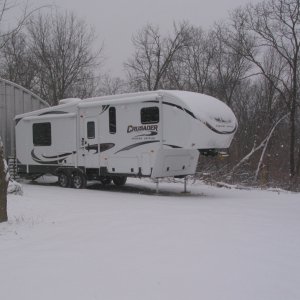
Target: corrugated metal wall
{"type": "Point", "coordinates": [14, 100]}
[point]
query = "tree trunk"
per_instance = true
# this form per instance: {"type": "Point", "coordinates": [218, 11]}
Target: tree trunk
{"type": "Point", "coordinates": [255, 148]}
{"type": "Point", "coordinates": [3, 187]}
{"type": "Point", "coordinates": [293, 174]}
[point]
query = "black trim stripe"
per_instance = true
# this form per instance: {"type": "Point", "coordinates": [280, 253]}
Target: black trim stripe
{"type": "Point", "coordinates": [181, 108]}
{"type": "Point", "coordinates": [57, 112]}
{"type": "Point", "coordinates": [218, 131]}
{"type": "Point", "coordinates": [174, 105]}
{"type": "Point", "coordinates": [59, 156]}
{"type": "Point", "coordinates": [151, 101]}
{"type": "Point", "coordinates": [136, 145]}
{"type": "Point", "coordinates": [103, 147]}
{"type": "Point", "coordinates": [92, 147]}
{"type": "Point", "coordinates": [173, 146]}
{"type": "Point", "coordinates": [205, 123]}
{"type": "Point", "coordinates": [104, 109]}
{"type": "Point", "coordinates": [190, 113]}
{"type": "Point", "coordinates": [106, 146]}
{"type": "Point", "coordinates": [42, 162]}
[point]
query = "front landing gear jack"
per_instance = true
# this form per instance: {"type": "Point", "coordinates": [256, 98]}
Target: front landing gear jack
{"type": "Point", "coordinates": [185, 183]}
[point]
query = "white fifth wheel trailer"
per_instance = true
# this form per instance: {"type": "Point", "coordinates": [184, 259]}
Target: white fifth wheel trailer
{"type": "Point", "coordinates": [150, 134]}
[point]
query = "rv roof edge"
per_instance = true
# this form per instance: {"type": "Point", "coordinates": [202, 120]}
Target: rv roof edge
{"type": "Point", "coordinates": [152, 96]}
{"type": "Point", "coordinates": [68, 100]}
{"type": "Point", "coordinates": [122, 96]}
{"type": "Point", "coordinates": [48, 109]}
{"type": "Point", "coordinates": [47, 116]}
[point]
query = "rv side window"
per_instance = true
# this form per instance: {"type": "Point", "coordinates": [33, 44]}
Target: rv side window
{"type": "Point", "coordinates": [41, 133]}
{"type": "Point", "coordinates": [90, 130]}
{"type": "Point", "coordinates": [150, 115]}
{"type": "Point", "coordinates": [112, 120]}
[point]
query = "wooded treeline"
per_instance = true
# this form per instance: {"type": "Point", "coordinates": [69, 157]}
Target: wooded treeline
{"type": "Point", "coordinates": [250, 61]}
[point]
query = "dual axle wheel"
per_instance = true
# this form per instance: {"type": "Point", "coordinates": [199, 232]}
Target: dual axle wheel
{"type": "Point", "coordinates": [77, 180]}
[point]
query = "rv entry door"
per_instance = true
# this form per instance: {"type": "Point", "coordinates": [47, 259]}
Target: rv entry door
{"type": "Point", "coordinates": [90, 142]}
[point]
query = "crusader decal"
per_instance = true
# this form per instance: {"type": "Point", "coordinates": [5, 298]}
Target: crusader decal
{"type": "Point", "coordinates": [152, 128]}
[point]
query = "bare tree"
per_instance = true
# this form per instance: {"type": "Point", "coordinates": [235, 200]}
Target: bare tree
{"type": "Point", "coordinates": [199, 58]}
{"type": "Point", "coordinates": [62, 46]}
{"type": "Point", "coordinates": [275, 25]}
{"type": "Point", "coordinates": [262, 145]}
{"type": "Point", "coordinates": [20, 17]}
{"type": "Point", "coordinates": [153, 55]}
{"type": "Point", "coordinates": [111, 85]}
{"type": "Point", "coordinates": [230, 68]}
{"type": "Point", "coordinates": [191, 67]}
{"type": "Point", "coordinates": [6, 33]}
{"type": "Point", "coordinates": [3, 185]}
{"type": "Point", "coordinates": [17, 63]}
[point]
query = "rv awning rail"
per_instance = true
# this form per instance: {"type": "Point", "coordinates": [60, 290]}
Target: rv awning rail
{"type": "Point", "coordinates": [47, 116]}
{"type": "Point", "coordinates": [95, 102]}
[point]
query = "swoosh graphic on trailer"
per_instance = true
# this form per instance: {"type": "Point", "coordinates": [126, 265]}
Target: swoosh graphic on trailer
{"type": "Point", "coordinates": [173, 146]}
{"type": "Point", "coordinates": [49, 162]}
{"type": "Point", "coordinates": [59, 156]}
{"type": "Point", "coordinates": [56, 112]}
{"type": "Point", "coordinates": [218, 131]}
{"type": "Point", "coordinates": [181, 108]}
{"type": "Point", "coordinates": [106, 146]}
{"type": "Point", "coordinates": [103, 147]}
{"type": "Point", "coordinates": [194, 117]}
{"type": "Point", "coordinates": [104, 109]}
{"type": "Point", "coordinates": [136, 145]}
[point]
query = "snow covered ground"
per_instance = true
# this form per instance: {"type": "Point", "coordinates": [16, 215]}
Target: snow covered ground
{"type": "Point", "coordinates": [106, 243]}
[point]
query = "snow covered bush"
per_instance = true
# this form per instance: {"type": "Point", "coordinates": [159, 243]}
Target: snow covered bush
{"type": "Point", "coordinates": [14, 188]}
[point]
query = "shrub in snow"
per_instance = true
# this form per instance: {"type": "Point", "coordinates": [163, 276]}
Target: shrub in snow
{"type": "Point", "coordinates": [14, 188]}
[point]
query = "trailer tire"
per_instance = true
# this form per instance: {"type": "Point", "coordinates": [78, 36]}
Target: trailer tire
{"type": "Point", "coordinates": [78, 180]}
{"type": "Point", "coordinates": [105, 180]}
{"type": "Point", "coordinates": [63, 179]}
{"type": "Point", "coordinates": [119, 180]}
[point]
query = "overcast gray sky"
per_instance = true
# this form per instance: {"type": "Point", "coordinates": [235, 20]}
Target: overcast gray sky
{"type": "Point", "coordinates": [115, 21]}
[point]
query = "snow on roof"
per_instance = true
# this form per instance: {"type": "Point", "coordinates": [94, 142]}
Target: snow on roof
{"type": "Point", "coordinates": [200, 104]}
{"type": "Point", "coordinates": [204, 106]}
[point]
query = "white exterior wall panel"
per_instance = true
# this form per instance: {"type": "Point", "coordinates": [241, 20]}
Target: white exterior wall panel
{"type": "Point", "coordinates": [14, 100]}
